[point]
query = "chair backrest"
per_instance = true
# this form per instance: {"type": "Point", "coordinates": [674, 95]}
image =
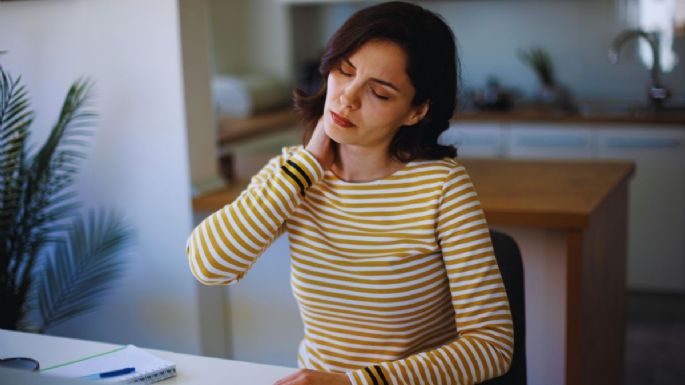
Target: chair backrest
{"type": "Point", "coordinates": [510, 264]}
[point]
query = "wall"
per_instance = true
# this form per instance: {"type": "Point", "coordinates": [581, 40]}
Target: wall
{"type": "Point", "coordinates": [229, 28]}
{"type": "Point", "coordinates": [197, 53]}
{"type": "Point", "coordinates": [138, 158]}
{"type": "Point", "coordinates": [576, 33]}
{"type": "Point", "coordinates": [197, 66]}
{"type": "Point", "coordinates": [252, 36]}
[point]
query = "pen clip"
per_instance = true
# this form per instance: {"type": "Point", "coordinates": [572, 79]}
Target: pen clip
{"type": "Point", "coordinates": [108, 374]}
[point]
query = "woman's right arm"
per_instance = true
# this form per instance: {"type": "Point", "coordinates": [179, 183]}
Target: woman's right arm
{"type": "Point", "coordinates": [223, 247]}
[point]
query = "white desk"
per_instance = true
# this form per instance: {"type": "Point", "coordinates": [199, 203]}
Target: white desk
{"type": "Point", "coordinates": [50, 350]}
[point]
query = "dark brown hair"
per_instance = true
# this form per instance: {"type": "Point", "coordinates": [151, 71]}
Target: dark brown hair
{"type": "Point", "coordinates": [432, 67]}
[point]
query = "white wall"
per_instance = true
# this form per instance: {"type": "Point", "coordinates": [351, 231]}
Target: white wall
{"type": "Point", "coordinates": [229, 27]}
{"type": "Point", "coordinates": [252, 36]}
{"type": "Point", "coordinates": [138, 160]}
{"type": "Point", "coordinates": [197, 65]}
{"type": "Point", "coordinates": [576, 33]}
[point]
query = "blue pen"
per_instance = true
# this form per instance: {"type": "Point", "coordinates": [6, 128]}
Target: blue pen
{"type": "Point", "coordinates": [111, 373]}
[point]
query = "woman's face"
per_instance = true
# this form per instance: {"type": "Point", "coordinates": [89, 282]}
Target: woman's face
{"type": "Point", "coordinates": [369, 97]}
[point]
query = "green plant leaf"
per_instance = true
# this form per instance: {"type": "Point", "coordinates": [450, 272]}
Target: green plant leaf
{"type": "Point", "coordinates": [82, 267]}
{"type": "Point", "coordinates": [50, 172]}
{"type": "Point", "coordinates": [51, 260]}
{"type": "Point", "coordinates": [15, 120]}
{"type": "Point", "coordinates": [541, 63]}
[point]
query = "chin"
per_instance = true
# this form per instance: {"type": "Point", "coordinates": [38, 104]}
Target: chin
{"type": "Point", "coordinates": [335, 133]}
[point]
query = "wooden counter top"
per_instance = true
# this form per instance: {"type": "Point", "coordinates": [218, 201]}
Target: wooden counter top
{"type": "Point", "coordinates": [555, 194]}
{"type": "Point", "coordinates": [676, 118]}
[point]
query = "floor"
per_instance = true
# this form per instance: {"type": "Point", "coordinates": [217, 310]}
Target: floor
{"type": "Point", "coordinates": [655, 339]}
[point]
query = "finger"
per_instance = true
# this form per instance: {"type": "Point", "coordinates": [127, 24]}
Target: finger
{"type": "Point", "coordinates": [287, 379]}
{"type": "Point", "coordinates": [320, 132]}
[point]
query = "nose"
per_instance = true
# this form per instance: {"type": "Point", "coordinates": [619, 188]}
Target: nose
{"type": "Point", "coordinates": [349, 97]}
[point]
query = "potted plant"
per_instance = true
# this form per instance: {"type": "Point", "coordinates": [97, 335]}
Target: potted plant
{"type": "Point", "coordinates": [55, 263]}
{"type": "Point", "coordinates": [551, 93]}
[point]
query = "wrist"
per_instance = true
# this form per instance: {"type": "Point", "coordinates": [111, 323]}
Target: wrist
{"type": "Point", "coordinates": [315, 154]}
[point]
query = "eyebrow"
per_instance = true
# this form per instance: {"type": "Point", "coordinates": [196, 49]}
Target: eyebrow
{"type": "Point", "coordinates": [377, 80]}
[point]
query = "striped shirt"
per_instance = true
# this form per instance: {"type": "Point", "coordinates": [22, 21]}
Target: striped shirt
{"type": "Point", "coordinates": [395, 279]}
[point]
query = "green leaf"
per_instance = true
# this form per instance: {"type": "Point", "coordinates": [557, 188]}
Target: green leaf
{"type": "Point", "coordinates": [46, 177]}
{"type": "Point", "coordinates": [82, 268]}
{"type": "Point", "coordinates": [541, 63]}
{"type": "Point", "coordinates": [15, 119]}
{"type": "Point", "coordinates": [51, 260]}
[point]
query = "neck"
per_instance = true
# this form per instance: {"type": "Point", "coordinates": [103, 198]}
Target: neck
{"type": "Point", "coordinates": [357, 164]}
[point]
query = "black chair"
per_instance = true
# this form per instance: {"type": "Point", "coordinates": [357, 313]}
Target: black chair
{"type": "Point", "coordinates": [510, 264]}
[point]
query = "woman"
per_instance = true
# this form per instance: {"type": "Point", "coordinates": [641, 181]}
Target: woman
{"type": "Point", "coordinates": [391, 260]}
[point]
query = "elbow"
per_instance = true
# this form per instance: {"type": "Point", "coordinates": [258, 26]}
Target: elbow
{"type": "Point", "coordinates": [503, 353]}
{"type": "Point", "coordinates": [210, 279]}
{"type": "Point", "coordinates": [201, 273]}
{"type": "Point", "coordinates": [194, 267]}
{"type": "Point", "coordinates": [506, 357]}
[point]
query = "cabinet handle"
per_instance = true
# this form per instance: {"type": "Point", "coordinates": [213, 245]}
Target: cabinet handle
{"type": "Point", "coordinates": [549, 141]}
{"type": "Point", "coordinates": [642, 143]}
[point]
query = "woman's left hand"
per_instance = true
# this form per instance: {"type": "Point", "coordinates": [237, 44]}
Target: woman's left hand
{"type": "Point", "coordinates": [313, 377]}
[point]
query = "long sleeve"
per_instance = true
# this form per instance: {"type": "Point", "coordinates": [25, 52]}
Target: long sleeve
{"type": "Point", "coordinates": [484, 345]}
{"type": "Point", "coordinates": [223, 247]}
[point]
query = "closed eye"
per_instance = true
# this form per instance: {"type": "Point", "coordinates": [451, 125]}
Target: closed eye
{"type": "Point", "coordinates": [381, 97]}
{"type": "Point", "coordinates": [343, 73]}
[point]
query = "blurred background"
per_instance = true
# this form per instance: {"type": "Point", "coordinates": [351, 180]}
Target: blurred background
{"type": "Point", "coordinates": [193, 97]}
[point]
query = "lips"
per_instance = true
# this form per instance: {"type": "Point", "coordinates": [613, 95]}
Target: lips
{"type": "Point", "coordinates": [340, 121]}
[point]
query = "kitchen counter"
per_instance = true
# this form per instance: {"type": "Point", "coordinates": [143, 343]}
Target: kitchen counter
{"type": "Point", "coordinates": [672, 117]}
{"type": "Point", "coordinates": [551, 194]}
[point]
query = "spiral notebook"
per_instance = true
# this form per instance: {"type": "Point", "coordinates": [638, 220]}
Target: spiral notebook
{"type": "Point", "coordinates": [148, 367]}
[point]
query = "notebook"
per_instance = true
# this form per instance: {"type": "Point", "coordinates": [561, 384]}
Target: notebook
{"type": "Point", "coordinates": [148, 367]}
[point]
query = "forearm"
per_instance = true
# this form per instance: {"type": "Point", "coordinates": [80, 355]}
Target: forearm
{"type": "Point", "coordinates": [469, 359]}
{"type": "Point", "coordinates": [223, 247]}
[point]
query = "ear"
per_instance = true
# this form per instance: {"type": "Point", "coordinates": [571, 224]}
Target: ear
{"type": "Point", "coordinates": [417, 113]}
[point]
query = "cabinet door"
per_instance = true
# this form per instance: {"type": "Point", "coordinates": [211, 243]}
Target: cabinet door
{"type": "Point", "coordinates": [474, 140]}
{"type": "Point", "coordinates": [540, 141]}
{"type": "Point", "coordinates": [656, 243]}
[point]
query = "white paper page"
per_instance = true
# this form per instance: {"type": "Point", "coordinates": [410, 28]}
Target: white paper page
{"type": "Point", "coordinates": [129, 356]}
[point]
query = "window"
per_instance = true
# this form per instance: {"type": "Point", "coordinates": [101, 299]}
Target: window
{"type": "Point", "coordinates": [665, 17]}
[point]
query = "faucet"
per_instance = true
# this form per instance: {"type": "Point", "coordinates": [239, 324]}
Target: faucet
{"type": "Point", "coordinates": [657, 93]}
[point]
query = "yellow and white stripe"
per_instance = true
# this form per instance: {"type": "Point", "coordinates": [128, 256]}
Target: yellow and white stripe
{"type": "Point", "coordinates": [396, 278]}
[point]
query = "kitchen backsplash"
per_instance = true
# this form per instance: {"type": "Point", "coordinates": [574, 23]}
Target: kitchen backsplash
{"type": "Point", "coordinates": [576, 33]}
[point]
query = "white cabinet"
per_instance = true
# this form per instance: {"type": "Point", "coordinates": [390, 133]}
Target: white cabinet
{"type": "Point", "coordinates": [544, 141]}
{"type": "Point", "coordinates": [656, 245]}
{"type": "Point", "coordinates": [656, 233]}
{"type": "Point", "coordinates": [475, 140]}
